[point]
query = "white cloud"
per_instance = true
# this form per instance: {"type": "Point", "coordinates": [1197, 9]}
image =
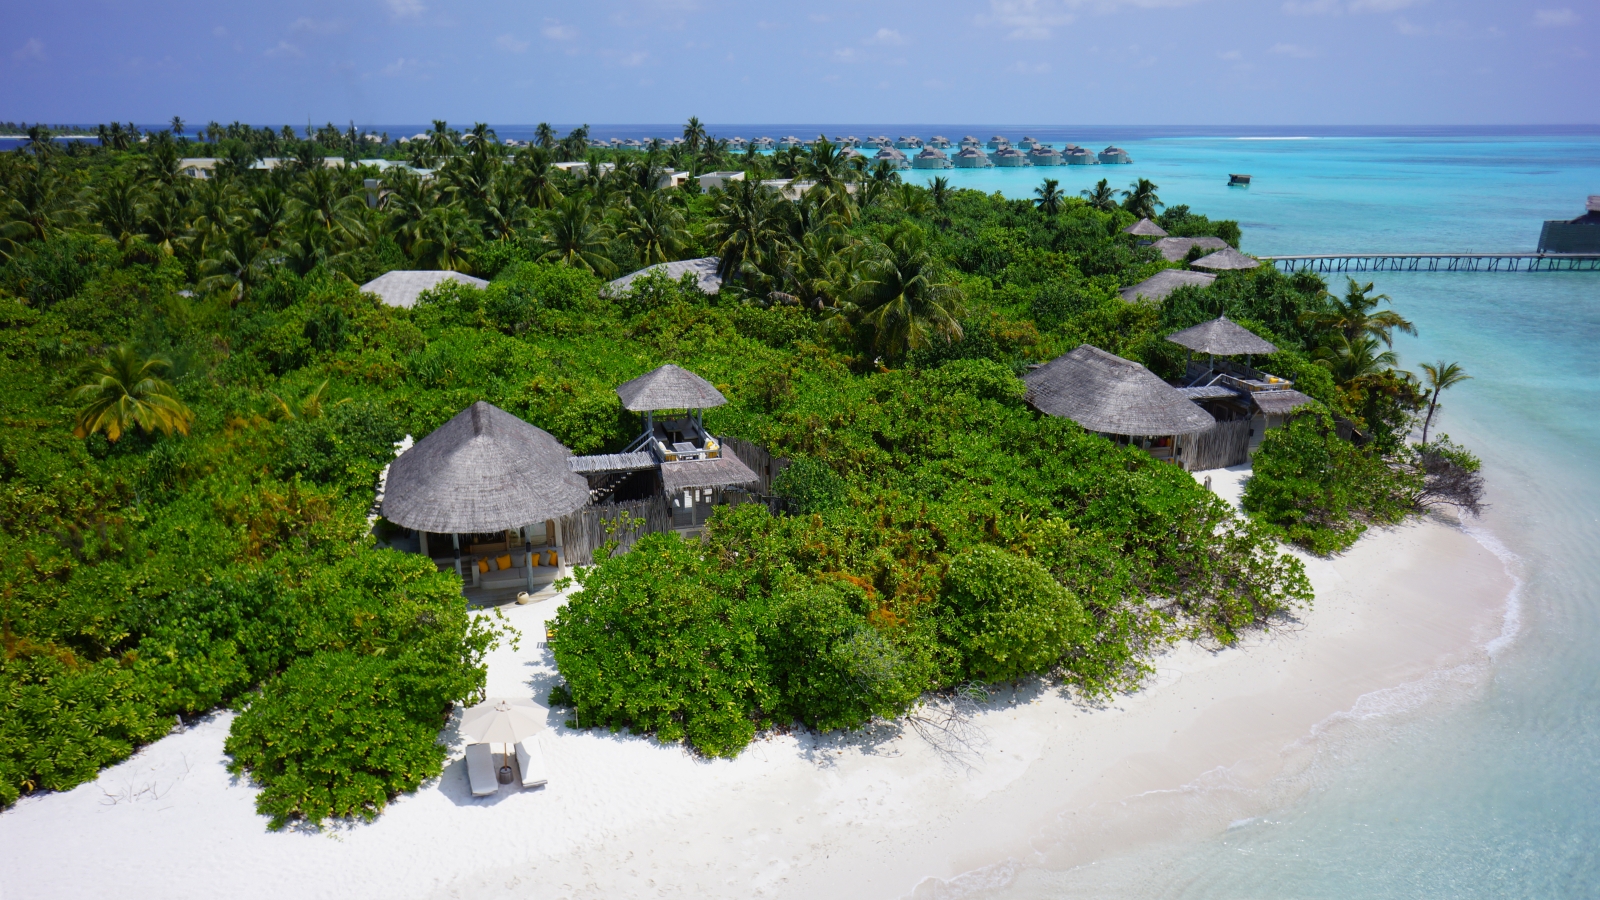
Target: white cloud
{"type": "Point", "coordinates": [1022, 68]}
{"type": "Point", "coordinates": [285, 50]}
{"type": "Point", "coordinates": [845, 54]}
{"type": "Point", "coordinates": [1381, 6]}
{"type": "Point", "coordinates": [399, 66]}
{"type": "Point", "coordinates": [32, 50]}
{"type": "Point", "coordinates": [510, 44]}
{"type": "Point", "coordinates": [1293, 50]}
{"type": "Point", "coordinates": [636, 58]}
{"type": "Point", "coordinates": [1231, 56]}
{"type": "Point", "coordinates": [1554, 18]}
{"type": "Point", "coordinates": [315, 27]}
{"type": "Point", "coordinates": [887, 37]}
{"type": "Point", "coordinates": [1029, 20]}
{"type": "Point", "coordinates": [556, 31]}
{"type": "Point", "coordinates": [406, 7]}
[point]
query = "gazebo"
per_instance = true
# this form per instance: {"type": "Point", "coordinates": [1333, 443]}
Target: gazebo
{"type": "Point", "coordinates": [1145, 228]}
{"type": "Point", "coordinates": [1238, 397]}
{"type": "Point", "coordinates": [1224, 260]}
{"type": "Point", "coordinates": [501, 483]}
{"type": "Point", "coordinates": [1117, 398]}
{"type": "Point", "coordinates": [695, 468]}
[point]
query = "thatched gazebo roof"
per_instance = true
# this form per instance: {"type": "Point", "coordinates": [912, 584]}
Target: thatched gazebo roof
{"type": "Point", "coordinates": [1220, 337]}
{"type": "Point", "coordinates": [1164, 282]}
{"type": "Point", "coordinates": [402, 287]}
{"type": "Point", "coordinates": [483, 471]}
{"type": "Point", "coordinates": [1112, 395]}
{"type": "Point", "coordinates": [669, 387]}
{"type": "Point", "coordinates": [703, 269]}
{"type": "Point", "coordinates": [1145, 228]}
{"type": "Point", "coordinates": [1224, 259]}
{"type": "Point", "coordinates": [1173, 249]}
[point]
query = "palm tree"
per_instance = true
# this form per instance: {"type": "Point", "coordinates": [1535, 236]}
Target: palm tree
{"type": "Point", "coordinates": [545, 136]}
{"type": "Point", "coordinates": [1440, 376]}
{"type": "Point", "coordinates": [448, 235]}
{"type": "Point", "coordinates": [322, 195]}
{"type": "Point", "coordinates": [832, 172]}
{"type": "Point", "coordinates": [128, 392]}
{"type": "Point", "coordinates": [573, 238]}
{"type": "Point", "coordinates": [118, 207]}
{"type": "Point", "coordinates": [939, 190]}
{"type": "Point", "coordinates": [236, 263]}
{"type": "Point", "coordinates": [165, 221]}
{"type": "Point", "coordinates": [1141, 200]}
{"type": "Point", "coordinates": [307, 407]}
{"type": "Point", "coordinates": [538, 184]}
{"type": "Point", "coordinates": [903, 305]}
{"type": "Point", "coordinates": [1101, 196]}
{"type": "Point", "coordinates": [1353, 362]}
{"type": "Point", "coordinates": [177, 125]}
{"type": "Point", "coordinates": [441, 140]}
{"type": "Point", "coordinates": [655, 228]}
{"type": "Point", "coordinates": [1357, 315]}
{"type": "Point", "coordinates": [694, 134]}
{"type": "Point", "coordinates": [744, 226]}
{"type": "Point", "coordinates": [1049, 197]}
{"type": "Point", "coordinates": [914, 200]}
{"type": "Point", "coordinates": [37, 204]}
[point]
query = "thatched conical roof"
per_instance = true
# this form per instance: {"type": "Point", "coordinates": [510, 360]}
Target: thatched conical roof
{"type": "Point", "coordinates": [1173, 249]}
{"type": "Point", "coordinates": [1226, 258]}
{"type": "Point", "coordinates": [1145, 228]}
{"type": "Point", "coordinates": [669, 387]}
{"type": "Point", "coordinates": [483, 471]}
{"type": "Point", "coordinates": [1109, 394]}
{"type": "Point", "coordinates": [1220, 337]}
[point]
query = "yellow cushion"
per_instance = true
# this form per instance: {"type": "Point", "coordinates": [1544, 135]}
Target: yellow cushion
{"type": "Point", "coordinates": [550, 558]}
{"type": "Point", "coordinates": [503, 562]}
{"type": "Point", "coordinates": [483, 565]}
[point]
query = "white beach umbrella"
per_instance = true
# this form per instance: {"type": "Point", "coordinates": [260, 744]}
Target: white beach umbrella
{"type": "Point", "coordinates": [501, 720]}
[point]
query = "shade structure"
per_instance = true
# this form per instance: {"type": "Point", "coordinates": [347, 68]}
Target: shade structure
{"type": "Point", "coordinates": [483, 471]}
{"type": "Point", "coordinates": [1112, 395]}
{"type": "Point", "coordinates": [704, 270]}
{"type": "Point", "coordinates": [1225, 259]}
{"type": "Point", "coordinates": [669, 387]}
{"type": "Point", "coordinates": [1164, 282]}
{"type": "Point", "coordinates": [402, 287]}
{"type": "Point", "coordinates": [1277, 403]}
{"type": "Point", "coordinates": [1221, 337]}
{"type": "Point", "coordinates": [503, 720]}
{"type": "Point", "coordinates": [725, 471]}
{"type": "Point", "coordinates": [1145, 228]}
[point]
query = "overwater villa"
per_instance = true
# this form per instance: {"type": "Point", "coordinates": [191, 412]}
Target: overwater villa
{"type": "Point", "coordinates": [972, 158]}
{"type": "Point", "coordinates": [851, 152]}
{"type": "Point", "coordinates": [939, 142]}
{"type": "Point", "coordinates": [1580, 235]}
{"type": "Point", "coordinates": [1027, 143]}
{"type": "Point", "coordinates": [764, 143]}
{"type": "Point", "coordinates": [878, 143]}
{"type": "Point", "coordinates": [1045, 155]}
{"type": "Point", "coordinates": [996, 142]}
{"type": "Point", "coordinates": [1145, 228]}
{"type": "Point", "coordinates": [911, 142]}
{"type": "Point", "coordinates": [931, 158]}
{"type": "Point", "coordinates": [738, 143]}
{"type": "Point", "coordinates": [484, 496]}
{"type": "Point", "coordinates": [970, 141]}
{"type": "Point", "coordinates": [1173, 249]}
{"type": "Point", "coordinates": [1120, 400]}
{"type": "Point", "coordinates": [790, 141]}
{"type": "Point", "coordinates": [894, 157]}
{"type": "Point", "coordinates": [1077, 156]}
{"type": "Point", "coordinates": [1164, 282]}
{"type": "Point", "coordinates": [1245, 401]}
{"type": "Point", "coordinates": [1009, 157]}
{"type": "Point", "coordinates": [1224, 260]}
{"type": "Point", "coordinates": [1115, 156]}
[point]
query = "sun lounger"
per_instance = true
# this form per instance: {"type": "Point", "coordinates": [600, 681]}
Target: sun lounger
{"type": "Point", "coordinates": [480, 770]}
{"type": "Point", "coordinates": [530, 762]}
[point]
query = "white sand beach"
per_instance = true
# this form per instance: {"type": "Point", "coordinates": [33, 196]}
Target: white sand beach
{"type": "Point", "coordinates": [883, 813]}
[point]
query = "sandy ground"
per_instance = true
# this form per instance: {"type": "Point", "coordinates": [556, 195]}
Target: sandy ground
{"type": "Point", "coordinates": [889, 812]}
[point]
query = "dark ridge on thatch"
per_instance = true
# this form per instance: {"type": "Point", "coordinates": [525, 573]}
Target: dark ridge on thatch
{"type": "Point", "coordinates": [483, 471]}
{"type": "Point", "coordinates": [724, 471]}
{"type": "Point", "coordinates": [1224, 259]}
{"type": "Point", "coordinates": [1112, 395]}
{"type": "Point", "coordinates": [1173, 249]}
{"type": "Point", "coordinates": [1221, 337]}
{"type": "Point", "coordinates": [1145, 228]}
{"type": "Point", "coordinates": [669, 387]}
{"type": "Point", "coordinates": [1164, 282]}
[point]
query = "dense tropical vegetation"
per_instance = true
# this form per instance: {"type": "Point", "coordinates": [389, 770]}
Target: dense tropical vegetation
{"type": "Point", "coordinates": [200, 398]}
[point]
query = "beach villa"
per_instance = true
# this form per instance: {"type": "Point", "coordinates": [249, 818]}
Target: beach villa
{"type": "Point", "coordinates": [1244, 401]}
{"type": "Point", "coordinates": [1120, 400]}
{"type": "Point", "coordinates": [402, 287]}
{"type": "Point", "coordinates": [1173, 249]}
{"type": "Point", "coordinates": [1164, 282]}
{"type": "Point", "coordinates": [1145, 228]}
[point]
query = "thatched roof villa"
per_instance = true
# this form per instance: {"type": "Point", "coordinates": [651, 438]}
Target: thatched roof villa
{"type": "Point", "coordinates": [1009, 157]}
{"type": "Point", "coordinates": [1044, 155]}
{"type": "Point", "coordinates": [1145, 228]}
{"type": "Point", "coordinates": [1120, 399]}
{"type": "Point", "coordinates": [1164, 282]}
{"type": "Point", "coordinates": [402, 287]}
{"type": "Point", "coordinates": [1246, 402]}
{"type": "Point", "coordinates": [972, 158]}
{"type": "Point", "coordinates": [931, 158]}
{"type": "Point", "coordinates": [704, 270]}
{"type": "Point", "coordinates": [1173, 249]}
{"type": "Point", "coordinates": [1226, 259]}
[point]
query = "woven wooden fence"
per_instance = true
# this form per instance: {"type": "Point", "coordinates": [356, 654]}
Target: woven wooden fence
{"type": "Point", "coordinates": [764, 464]}
{"type": "Point", "coordinates": [1228, 444]}
{"type": "Point", "coordinates": [584, 531]}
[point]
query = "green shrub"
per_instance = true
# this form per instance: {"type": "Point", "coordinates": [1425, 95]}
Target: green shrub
{"type": "Point", "coordinates": [1007, 616]}
{"type": "Point", "coordinates": [336, 735]}
{"type": "Point", "coordinates": [347, 445]}
{"type": "Point", "coordinates": [810, 485]}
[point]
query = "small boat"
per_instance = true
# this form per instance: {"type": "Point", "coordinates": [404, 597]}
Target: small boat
{"type": "Point", "coordinates": [1239, 179]}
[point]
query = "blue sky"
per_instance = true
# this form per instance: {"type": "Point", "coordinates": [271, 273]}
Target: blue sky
{"type": "Point", "coordinates": [1154, 62]}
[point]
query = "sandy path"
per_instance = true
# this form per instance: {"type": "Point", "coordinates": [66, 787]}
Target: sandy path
{"type": "Point", "coordinates": [877, 814]}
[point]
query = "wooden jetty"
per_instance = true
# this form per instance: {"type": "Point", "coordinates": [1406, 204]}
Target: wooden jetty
{"type": "Point", "coordinates": [1437, 262]}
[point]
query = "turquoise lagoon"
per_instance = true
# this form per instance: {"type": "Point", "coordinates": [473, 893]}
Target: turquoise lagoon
{"type": "Point", "coordinates": [1484, 789]}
